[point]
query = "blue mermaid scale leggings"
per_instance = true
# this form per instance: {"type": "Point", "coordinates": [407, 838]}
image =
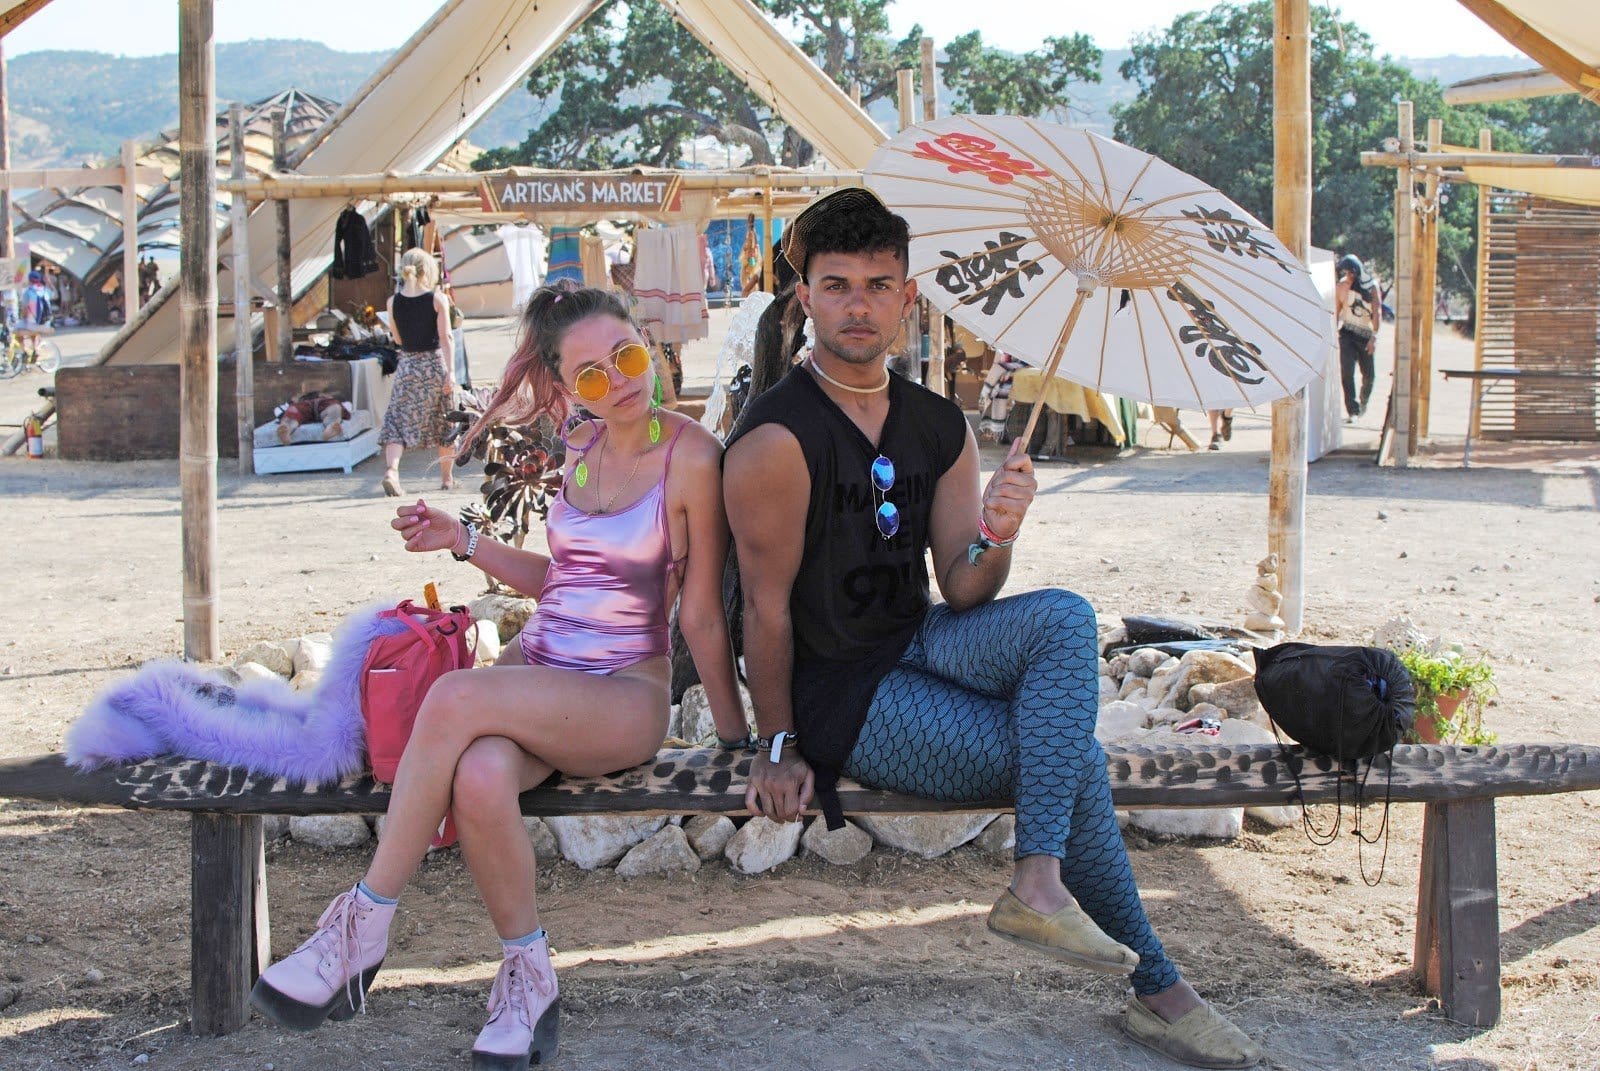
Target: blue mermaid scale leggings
{"type": "Point", "coordinates": [1000, 702]}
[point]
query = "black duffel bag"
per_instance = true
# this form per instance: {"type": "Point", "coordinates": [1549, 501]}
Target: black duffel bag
{"type": "Point", "coordinates": [1347, 702]}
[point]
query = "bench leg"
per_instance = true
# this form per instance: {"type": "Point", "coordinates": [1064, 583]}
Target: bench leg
{"type": "Point", "coordinates": [228, 931]}
{"type": "Point", "coordinates": [1457, 954]}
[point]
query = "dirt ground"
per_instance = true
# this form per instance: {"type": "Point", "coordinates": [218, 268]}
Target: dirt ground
{"type": "Point", "coordinates": [884, 964]}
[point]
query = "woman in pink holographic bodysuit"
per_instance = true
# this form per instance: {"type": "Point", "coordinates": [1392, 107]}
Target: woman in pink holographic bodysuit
{"type": "Point", "coordinates": [585, 690]}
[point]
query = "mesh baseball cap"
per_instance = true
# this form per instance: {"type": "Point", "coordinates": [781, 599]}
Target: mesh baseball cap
{"type": "Point", "coordinates": [846, 201]}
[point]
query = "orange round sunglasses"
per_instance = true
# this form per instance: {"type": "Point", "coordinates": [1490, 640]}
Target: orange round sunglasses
{"type": "Point", "coordinates": [594, 382]}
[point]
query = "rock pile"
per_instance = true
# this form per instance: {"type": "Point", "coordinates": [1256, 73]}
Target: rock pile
{"type": "Point", "coordinates": [1143, 694]}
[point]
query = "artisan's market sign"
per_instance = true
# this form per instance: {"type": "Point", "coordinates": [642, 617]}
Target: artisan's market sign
{"type": "Point", "coordinates": [602, 194]}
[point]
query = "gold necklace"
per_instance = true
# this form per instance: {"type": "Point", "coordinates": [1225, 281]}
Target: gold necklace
{"type": "Point", "coordinates": [631, 474]}
{"type": "Point", "coordinates": [815, 367]}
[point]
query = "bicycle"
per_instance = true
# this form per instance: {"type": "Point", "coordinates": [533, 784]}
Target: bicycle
{"type": "Point", "coordinates": [24, 350]}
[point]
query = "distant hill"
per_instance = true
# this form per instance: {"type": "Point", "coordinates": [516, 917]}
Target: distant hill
{"type": "Point", "coordinates": [69, 108]}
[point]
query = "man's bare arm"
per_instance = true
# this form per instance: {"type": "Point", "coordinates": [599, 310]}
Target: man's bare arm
{"type": "Point", "coordinates": [954, 528]}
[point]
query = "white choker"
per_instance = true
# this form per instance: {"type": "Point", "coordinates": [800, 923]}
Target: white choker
{"type": "Point", "coordinates": [845, 386]}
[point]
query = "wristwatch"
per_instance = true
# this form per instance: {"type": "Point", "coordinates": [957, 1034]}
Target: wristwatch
{"type": "Point", "coordinates": [775, 744]}
{"type": "Point", "coordinates": [472, 545]}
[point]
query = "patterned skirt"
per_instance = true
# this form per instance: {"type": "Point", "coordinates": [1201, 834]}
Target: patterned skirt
{"type": "Point", "coordinates": [420, 402]}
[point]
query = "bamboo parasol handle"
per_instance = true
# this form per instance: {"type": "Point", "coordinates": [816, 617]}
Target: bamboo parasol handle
{"type": "Point", "coordinates": [1085, 288]}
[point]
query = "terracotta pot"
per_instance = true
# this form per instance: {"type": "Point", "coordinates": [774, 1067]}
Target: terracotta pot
{"type": "Point", "coordinates": [1426, 730]}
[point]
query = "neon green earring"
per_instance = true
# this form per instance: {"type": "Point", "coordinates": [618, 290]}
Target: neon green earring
{"type": "Point", "coordinates": [655, 417]}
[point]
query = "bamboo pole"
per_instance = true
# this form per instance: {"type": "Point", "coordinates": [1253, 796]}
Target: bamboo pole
{"type": "Point", "coordinates": [130, 230]}
{"type": "Point", "coordinates": [8, 238]}
{"type": "Point", "coordinates": [912, 325]}
{"type": "Point", "coordinates": [1404, 238]}
{"type": "Point", "coordinates": [1085, 288]}
{"type": "Point", "coordinates": [1410, 158]}
{"type": "Point", "coordinates": [1480, 297]}
{"type": "Point", "coordinates": [768, 278]}
{"type": "Point", "coordinates": [280, 158]}
{"type": "Point", "coordinates": [197, 308]}
{"type": "Point", "coordinates": [1291, 221]}
{"type": "Point", "coordinates": [935, 318]}
{"type": "Point", "coordinates": [244, 391]}
{"type": "Point", "coordinates": [1427, 286]}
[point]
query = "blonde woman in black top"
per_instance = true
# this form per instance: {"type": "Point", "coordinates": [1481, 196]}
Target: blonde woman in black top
{"type": "Point", "coordinates": [419, 318]}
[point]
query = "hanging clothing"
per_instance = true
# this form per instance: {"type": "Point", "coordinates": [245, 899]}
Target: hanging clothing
{"type": "Point", "coordinates": [669, 283]}
{"type": "Point", "coordinates": [592, 252]}
{"type": "Point", "coordinates": [525, 246]}
{"type": "Point", "coordinates": [354, 255]}
{"type": "Point", "coordinates": [566, 260]}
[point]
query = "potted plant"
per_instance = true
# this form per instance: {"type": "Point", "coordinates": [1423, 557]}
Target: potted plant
{"type": "Point", "coordinates": [1451, 692]}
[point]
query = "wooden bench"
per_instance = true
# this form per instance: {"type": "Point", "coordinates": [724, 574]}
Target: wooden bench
{"type": "Point", "coordinates": [1456, 951]}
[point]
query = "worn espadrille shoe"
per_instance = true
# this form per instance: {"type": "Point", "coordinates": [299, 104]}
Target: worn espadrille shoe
{"type": "Point", "coordinates": [1202, 1038]}
{"type": "Point", "coordinates": [1068, 935]}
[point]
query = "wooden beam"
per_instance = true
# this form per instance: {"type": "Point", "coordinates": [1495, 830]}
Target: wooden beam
{"type": "Point", "coordinates": [293, 187]}
{"type": "Point", "coordinates": [935, 379]}
{"type": "Point", "coordinates": [20, 13]}
{"type": "Point", "coordinates": [130, 230]}
{"type": "Point", "coordinates": [285, 259]}
{"type": "Point", "coordinates": [1291, 221]}
{"type": "Point", "coordinates": [197, 331]}
{"type": "Point", "coordinates": [244, 388]}
{"type": "Point", "coordinates": [711, 781]}
{"type": "Point", "coordinates": [226, 935]}
{"type": "Point", "coordinates": [1456, 954]}
{"type": "Point", "coordinates": [1557, 60]}
{"type": "Point", "coordinates": [49, 178]}
{"type": "Point", "coordinates": [768, 278]}
{"type": "Point", "coordinates": [8, 236]}
{"type": "Point", "coordinates": [1404, 247]}
{"type": "Point", "coordinates": [1426, 272]}
{"type": "Point", "coordinates": [1481, 291]}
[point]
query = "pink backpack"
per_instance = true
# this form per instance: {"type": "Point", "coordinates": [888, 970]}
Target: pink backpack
{"type": "Point", "coordinates": [398, 671]}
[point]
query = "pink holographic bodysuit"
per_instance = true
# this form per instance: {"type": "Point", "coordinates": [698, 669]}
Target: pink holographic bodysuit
{"type": "Point", "coordinates": [604, 603]}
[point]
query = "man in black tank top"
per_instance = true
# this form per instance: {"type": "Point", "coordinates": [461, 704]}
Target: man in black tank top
{"type": "Point", "coordinates": [839, 482]}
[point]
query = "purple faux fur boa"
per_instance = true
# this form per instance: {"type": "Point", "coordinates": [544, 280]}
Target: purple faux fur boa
{"type": "Point", "coordinates": [179, 709]}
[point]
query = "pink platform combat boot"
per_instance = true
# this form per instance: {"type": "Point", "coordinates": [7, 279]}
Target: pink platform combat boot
{"type": "Point", "coordinates": [524, 1013]}
{"type": "Point", "coordinates": [327, 976]}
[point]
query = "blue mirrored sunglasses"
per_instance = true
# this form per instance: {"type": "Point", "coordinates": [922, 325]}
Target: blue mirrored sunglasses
{"type": "Point", "coordinates": [887, 516]}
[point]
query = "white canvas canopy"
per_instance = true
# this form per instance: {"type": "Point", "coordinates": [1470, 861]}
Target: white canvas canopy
{"type": "Point", "coordinates": [456, 67]}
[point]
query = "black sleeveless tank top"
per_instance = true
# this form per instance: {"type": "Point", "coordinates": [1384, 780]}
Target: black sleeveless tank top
{"type": "Point", "coordinates": [416, 322]}
{"type": "Point", "coordinates": [858, 598]}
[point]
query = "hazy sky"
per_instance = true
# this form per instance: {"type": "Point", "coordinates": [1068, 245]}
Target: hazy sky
{"type": "Point", "coordinates": [149, 27]}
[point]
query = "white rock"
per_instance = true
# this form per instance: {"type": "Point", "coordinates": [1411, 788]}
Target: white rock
{"type": "Point", "coordinates": [1399, 634]}
{"type": "Point", "coordinates": [1118, 666]}
{"type": "Point", "coordinates": [1146, 660]}
{"type": "Point", "coordinates": [1102, 667]}
{"type": "Point", "coordinates": [1133, 683]}
{"type": "Point", "coordinates": [1202, 667]}
{"type": "Point", "coordinates": [1241, 732]}
{"type": "Point", "coordinates": [697, 724]}
{"type": "Point", "coordinates": [544, 841]}
{"type": "Point", "coordinates": [330, 830]}
{"type": "Point", "coordinates": [1238, 698]}
{"type": "Point", "coordinates": [596, 840]}
{"type": "Point", "coordinates": [708, 834]}
{"type": "Point", "coordinates": [1109, 690]}
{"type": "Point", "coordinates": [274, 826]}
{"type": "Point", "coordinates": [761, 844]}
{"type": "Point", "coordinates": [667, 852]}
{"type": "Point", "coordinates": [1165, 717]}
{"type": "Point", "coordinates": [483, 640]}
{"type": "Point", "coordinates": [927, 835]}
{"type": "Point", "coordinates": [1119, 720]}
{"type": "Point", "coordinates": [269, 653]}
{"type": "Point", "coordinates": [255, 671]}
{"type": "Point", "coordinates": [841, 847]}
{"type": "Point", "coordinates": [1260, 622]}
{"type": "Point", "coordinates": [1114, 637]}
{"type": "Point", "coordinates": [999, 836]}
{"type": "Point", "coordinates": [1207, 710]}
{"type": "Point", "coordinates": [1220, 823]}
{"type": "Point", "coordinates": [1263, 601]}
{"type": "Point", "coordinates": [508, 613]}
{"type": "Point", "coordinates": [313, 652]}
{"type": "Point", "coordinates": [1276, 817]}
{"type": "Point", "coordinates": [307, 681]}
{"type": "Point", "coordinates": [1162, 681]}
{"type": "Point", "coordinates": [1136, 694]}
